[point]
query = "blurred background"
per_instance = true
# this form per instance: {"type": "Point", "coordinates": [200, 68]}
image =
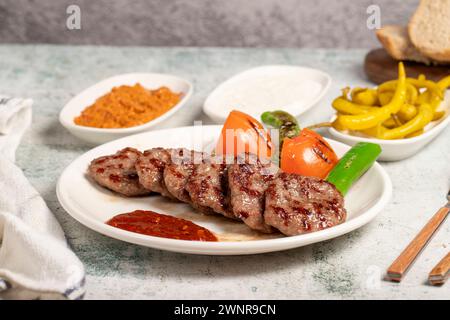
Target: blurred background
{"type": "Point", "coordinates": [212, 23]}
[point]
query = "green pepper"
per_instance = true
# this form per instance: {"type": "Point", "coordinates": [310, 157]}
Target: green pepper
{"type": "Point", "coordinates": [287, 123]}
{"type": "Point", "coordinates": [353, 165]}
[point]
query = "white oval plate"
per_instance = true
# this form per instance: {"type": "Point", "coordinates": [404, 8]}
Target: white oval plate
{"type": "Point", "coordinates": [92, 205]}
{"type": "Point", "coordinates": [298, 89]}
{"type": "Point", "coordinates": [395, 150]}
{"type": "Point", "coordinates": [87, 97]}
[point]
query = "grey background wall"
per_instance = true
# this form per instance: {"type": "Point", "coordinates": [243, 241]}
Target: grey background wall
{"type": "Point", "coordinates": [251, 23]}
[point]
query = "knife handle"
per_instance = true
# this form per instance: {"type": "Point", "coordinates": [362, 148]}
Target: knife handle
{"type": "Point", "coordinates": [401, 265]}
{"type": "Point", "coordinates": [440, 272]}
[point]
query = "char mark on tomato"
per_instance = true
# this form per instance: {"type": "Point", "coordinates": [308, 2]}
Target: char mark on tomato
{"type": "Point", "coordinates": [262, 135]}
{"type": "Point", "coordinates": [319, 153]}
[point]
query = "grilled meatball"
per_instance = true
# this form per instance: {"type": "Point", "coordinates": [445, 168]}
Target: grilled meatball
{"type": "Point", "coordinates": [296, 204]}
{"type": "Point", "coordinates": [208, 186]}
{"type": "Point", "coordinates": [177, 172]}
{"type": "Point", "coordinates": [150, 169]}
{"type": "Point", "coordinates": [248, 179]}
{"type": "Point", "coordinates": [117, 172]}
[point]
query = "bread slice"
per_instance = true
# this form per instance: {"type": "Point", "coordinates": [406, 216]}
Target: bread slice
{"type": "Point", "coordinates": [429, 29]}
{"type": "Point", "coordinates": [396, 41]}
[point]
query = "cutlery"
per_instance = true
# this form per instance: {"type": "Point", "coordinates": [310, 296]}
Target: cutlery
{"type": "Point", "coordinates": [400, 266]}
{"type": "Point", "coordinates": [440, 272]}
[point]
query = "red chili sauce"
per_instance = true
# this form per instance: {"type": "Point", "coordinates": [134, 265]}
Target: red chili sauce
{"type": "Point", "coordinates": [161, 225]}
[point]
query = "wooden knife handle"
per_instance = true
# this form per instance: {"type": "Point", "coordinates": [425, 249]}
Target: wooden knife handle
{"type": "Point", "coordinates": [440, 272]}
{"type": "Point", "coordinates": [400, 266]}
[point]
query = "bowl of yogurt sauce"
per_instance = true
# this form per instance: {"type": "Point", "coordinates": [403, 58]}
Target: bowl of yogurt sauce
{"type": "Point", "coordinates": [293, 89]}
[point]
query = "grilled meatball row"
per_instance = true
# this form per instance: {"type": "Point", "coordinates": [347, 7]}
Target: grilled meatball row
{"type": "Point", "coordinates": [245, 189]}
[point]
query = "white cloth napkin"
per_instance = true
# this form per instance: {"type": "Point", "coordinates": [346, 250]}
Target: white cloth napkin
{"type": "Point", "coordinates": [35, 260]}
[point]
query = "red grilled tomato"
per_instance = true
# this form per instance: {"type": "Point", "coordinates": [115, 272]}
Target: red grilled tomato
{"type": "Point", "coordinates": [308, 154]}
{"type": "Point", "coordinates": [242, 133]}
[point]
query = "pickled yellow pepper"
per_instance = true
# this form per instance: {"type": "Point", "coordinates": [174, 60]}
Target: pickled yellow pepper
{"type": "Point", "coordinates": [344, 106]}
{"type": "Point", "coordinates": [411, 91]}
{"type": "Point", "coordinates": [424, 116]}
{"type": "Point", "coordinates": [397, 109]}
{"type": "Point", "coordinates": [368, 97]}
{"type": "Point", "coordinates": [444, 83]}
{"type": "Point", "coordinates": [378, 115]}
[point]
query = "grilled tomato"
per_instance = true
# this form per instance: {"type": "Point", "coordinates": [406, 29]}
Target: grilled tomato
{"type": "Point", "coordinates": [308, 154]}
{"type": "Point", "coordinates": [242, 133]}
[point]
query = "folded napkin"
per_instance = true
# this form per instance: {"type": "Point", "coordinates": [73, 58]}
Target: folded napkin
{"type": "Point", "coordinates": [35, 260]}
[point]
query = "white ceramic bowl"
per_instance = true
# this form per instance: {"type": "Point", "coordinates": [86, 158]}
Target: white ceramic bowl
{"type": "Point", "coordinates": [394, 150]}
{"type": "Point", "coordinates": [292, 89]}
{"type": "Point", "coordinates": [87, 97]}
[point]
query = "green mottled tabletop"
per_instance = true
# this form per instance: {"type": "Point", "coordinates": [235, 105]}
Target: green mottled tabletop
{"type": "Point", "coordinates": [351, 266]}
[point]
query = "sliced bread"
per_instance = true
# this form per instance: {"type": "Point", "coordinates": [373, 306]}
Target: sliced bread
{"type": "Point", "coordinates": [396, 42]}
{"type": "Point", "coordinates": [429, 29]}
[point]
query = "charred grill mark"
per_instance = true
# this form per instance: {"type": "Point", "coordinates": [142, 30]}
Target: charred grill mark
{"type": "Point", "coordinates": [282, 214]}
{"type": "Point", "coordinates": [158, 164]}
{"type": "Point", "coordinates": [175, 173]}
{"type": "Point", "coordinates": [120, 157]}
{"type": "Point", "coordinates": [100, 161]}
{"type": "Point", "coordinates": [267, 177]}
{"type": "Point", "coordinates": [302, 211]}
{"type": "Point", "coordinates": [250, 192]}
{"type": "Point", "coordinates": [308, 184]}
{"type": "Point", "coordinates": [305, 191]}
{"type": "Point", "coordinates": [115, 178]}
{"type": "Point", "coordinates": [245, 169]}
{"type": "Point", "coordinates": [243, 214]}
{"type": "Point", "coordinates": [318, 207]}
{"type": "Point", "coordinates": [319, 152]}
{"type": "Point", "coordinates": [262, 135]}
{"type": "Point", "coordinates": [204, 185]}
{"type": "Point", "coordinates": [325, 145]}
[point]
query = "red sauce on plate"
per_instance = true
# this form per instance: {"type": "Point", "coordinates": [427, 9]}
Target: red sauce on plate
{"type": "Point", "coordinates": [161, 225]}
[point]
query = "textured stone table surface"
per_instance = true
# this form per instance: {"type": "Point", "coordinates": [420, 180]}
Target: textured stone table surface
{"type": "Point", "coordinates": [351, 266]}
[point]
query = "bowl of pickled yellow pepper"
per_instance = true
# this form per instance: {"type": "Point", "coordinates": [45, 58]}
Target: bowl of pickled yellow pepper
{"type": "Point", "coordinates": [402, 115]}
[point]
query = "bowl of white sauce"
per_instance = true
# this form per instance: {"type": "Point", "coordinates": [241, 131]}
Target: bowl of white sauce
{"type": "Point", "coordinates": [293, 89]}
